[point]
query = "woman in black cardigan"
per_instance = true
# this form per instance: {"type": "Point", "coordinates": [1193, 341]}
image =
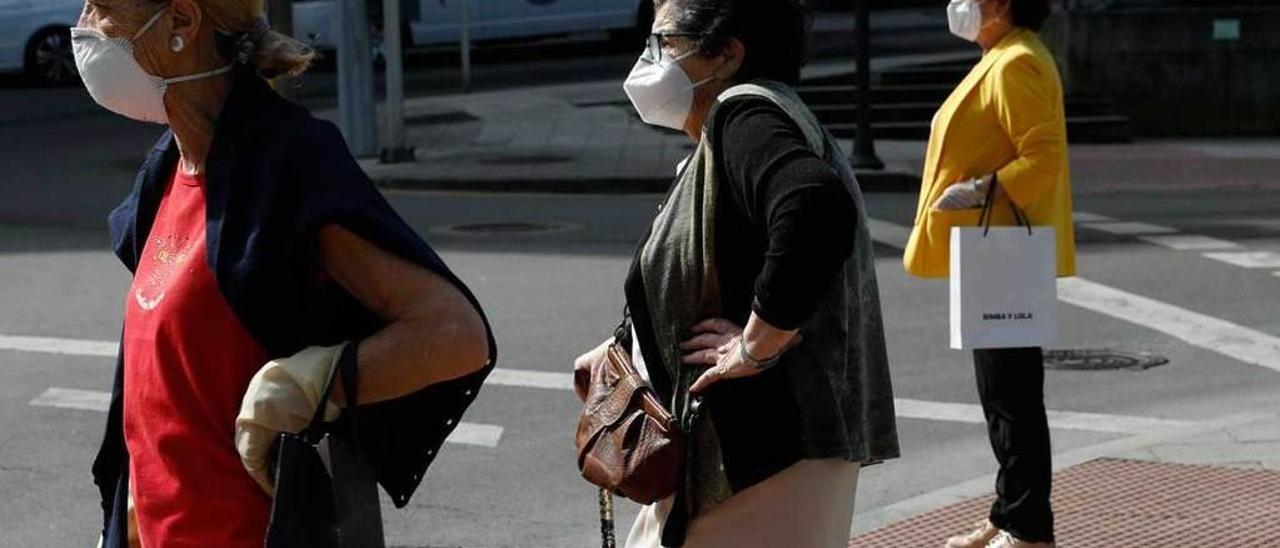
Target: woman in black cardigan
{"type": "Point", "coordinates": [755, 288]}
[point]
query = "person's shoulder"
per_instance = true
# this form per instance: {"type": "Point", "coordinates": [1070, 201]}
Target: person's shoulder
{"type": "Point", "coordinates": [750, 117]}
{"type": "Point", "coordinates": [744, 107]}
{"type": "Point", "coordinates": [1026, 52]}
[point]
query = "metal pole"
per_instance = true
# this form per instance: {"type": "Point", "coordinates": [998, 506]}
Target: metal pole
{"type": "Point", "coordinates": [280, 13]}
{"type": "Point", "coordinates": [355, 79]}
{"type": "Point", "coordinates": [864, 150]}
{"type": "Point", "coordinates": [465, 39]}
{"type": "Point", "coordinates": [394, 149]}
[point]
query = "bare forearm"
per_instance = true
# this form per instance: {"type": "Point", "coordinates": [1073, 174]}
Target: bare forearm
{"type": "Point", "coordinates": [411, 354]}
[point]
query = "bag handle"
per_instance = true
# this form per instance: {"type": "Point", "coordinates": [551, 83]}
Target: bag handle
{"type": "Point", "coordinates": [346, 369]}
{"type": "Point", "coordinates": [984, 220]}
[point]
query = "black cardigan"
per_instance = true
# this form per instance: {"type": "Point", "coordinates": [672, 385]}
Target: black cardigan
{"type": "Point", "coordinates": [784, 229]}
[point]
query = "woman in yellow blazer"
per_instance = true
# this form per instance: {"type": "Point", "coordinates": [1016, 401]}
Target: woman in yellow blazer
{"type": "Point", "coordinates": [1002, 126]}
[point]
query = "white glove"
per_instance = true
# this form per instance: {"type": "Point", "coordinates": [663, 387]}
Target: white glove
{"type": "Point", "coordinates": [964, 195]}
{"type": "Point", "coordinates": [283, 397]}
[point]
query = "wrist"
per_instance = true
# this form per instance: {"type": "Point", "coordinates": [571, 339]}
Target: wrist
{"type": "Point", "coordinates": [750, 358]}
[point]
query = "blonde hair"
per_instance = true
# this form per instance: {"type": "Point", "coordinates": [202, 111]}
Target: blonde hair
{"type": "Point", "coordinates": [274, 54]}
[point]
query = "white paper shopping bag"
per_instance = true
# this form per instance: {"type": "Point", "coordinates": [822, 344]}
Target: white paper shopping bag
{"type": "Point", "coordinates": [1004, 291]}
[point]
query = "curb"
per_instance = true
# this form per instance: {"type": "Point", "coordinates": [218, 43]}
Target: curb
{"type": "Point", "coordinates": [870, 181]}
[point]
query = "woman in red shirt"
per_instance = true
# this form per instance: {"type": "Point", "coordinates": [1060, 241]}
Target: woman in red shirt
{"type": "Point", "coordinates": [256, 267]}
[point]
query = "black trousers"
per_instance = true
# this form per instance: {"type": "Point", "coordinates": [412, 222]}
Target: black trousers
{"type": "Point", "coordinates": [1011, 387]}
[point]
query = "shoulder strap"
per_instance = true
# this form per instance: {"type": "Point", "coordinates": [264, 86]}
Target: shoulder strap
{"type": "Point", "coordinates": [786, 99]}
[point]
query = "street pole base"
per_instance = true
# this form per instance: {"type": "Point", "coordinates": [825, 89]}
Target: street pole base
{"type": "Point", "coordinates": [398, 155]}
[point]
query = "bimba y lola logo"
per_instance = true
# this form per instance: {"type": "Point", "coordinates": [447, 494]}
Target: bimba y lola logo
{"type": "Point", "coordinates": [1007, 316]}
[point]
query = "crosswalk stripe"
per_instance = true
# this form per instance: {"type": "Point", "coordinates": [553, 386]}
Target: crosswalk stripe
{"type": "Point", "coordinates": [1130, 228]}
{"type": "Point", "coordinates": [467, 433]}
{"type": "Point", "coordinates": [1066, 420]}
{"type": "Point", "coordinates": [1248, 259]}
{"type": "Point", "coordinates": [1189, 242]}
{"type": "Point", "coordinates": [1226, 338]}
{"type": "Point", "coordinates": [1086, 217]}
{"type": "Point", "coordinates": [1234, 341]}
{"type": "Point", "coordinates": [906, 408]}
{"type": "Point", "coordinates": [530, 379]}
{"type": "Point", "coordinates": [55, 345]}
{"type": "Point", "coordinates": [66, 398]}
{"type": "Point", "coordinates": [488, 435]}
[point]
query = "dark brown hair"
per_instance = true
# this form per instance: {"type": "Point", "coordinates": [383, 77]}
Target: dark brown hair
{"type": "Point", "coordinates": [774, 33]}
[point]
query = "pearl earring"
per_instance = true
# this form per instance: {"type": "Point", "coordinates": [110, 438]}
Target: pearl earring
{"type": "Point", "coordinates": [177, 43]}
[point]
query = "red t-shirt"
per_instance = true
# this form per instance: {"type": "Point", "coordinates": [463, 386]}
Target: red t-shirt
{"type": "Point", "coordinates": [187, 363]}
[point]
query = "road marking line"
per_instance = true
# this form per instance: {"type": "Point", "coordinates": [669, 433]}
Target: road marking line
{"type": "Point", "coordinates": [550, 380]}
{"type": "Point", "coordinates": [1189, 242]}
{"type": "Point", "coordinates": [1226, 338]}
{"type": "Point", "coordinates": [66, 398]}
{"type": "Point", "coordinates": [1066, 420]}
{"type": "Point", "coordinates": [1082, 217]}
{"type": "Point", "coordinates": [467, 433]}
{"type": "Point", "coordinates": [1248, 259]}
{"type": "Point", "coordinates": [54, 345]}
{"type": "Point", "coordinates": [876, 518]}
{"type": "Point", "coordinates": [1131, 229]}
{"type": "Point", "coordinates": [530, 379]}
{"type": "Point", "coordinates": [906, 408]}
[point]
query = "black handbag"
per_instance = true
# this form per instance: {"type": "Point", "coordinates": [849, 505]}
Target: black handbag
{"type": "Point", "coordinates": [326, 490]}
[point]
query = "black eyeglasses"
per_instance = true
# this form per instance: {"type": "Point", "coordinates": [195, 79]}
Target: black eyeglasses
{"type": "Point", "coordinates": [654, 51]}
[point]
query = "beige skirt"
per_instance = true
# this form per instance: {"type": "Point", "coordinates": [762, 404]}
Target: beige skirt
{"type": "Point", "coordinates": [808, 505]}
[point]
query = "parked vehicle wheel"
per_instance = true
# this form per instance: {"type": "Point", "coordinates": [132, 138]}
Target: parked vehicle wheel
{"type": "Point", "coordinates": [49, 58]}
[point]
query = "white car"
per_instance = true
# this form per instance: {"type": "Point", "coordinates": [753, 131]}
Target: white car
{"type": "Point", "coordinates": [34, 38]}
{"type": "Point", "coordinates": [440, 21]}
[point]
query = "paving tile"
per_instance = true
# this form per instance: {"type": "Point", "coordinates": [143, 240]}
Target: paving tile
{"type": "Point", "coordinates": [1127, 503]}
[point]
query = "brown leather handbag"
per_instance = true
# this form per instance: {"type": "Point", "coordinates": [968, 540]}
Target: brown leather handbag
{"type": "Point", "coordinates": [628, 443]}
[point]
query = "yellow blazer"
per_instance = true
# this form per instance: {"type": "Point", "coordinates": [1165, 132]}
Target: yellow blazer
{"type": "Point", "coordinates": [1005, 117]}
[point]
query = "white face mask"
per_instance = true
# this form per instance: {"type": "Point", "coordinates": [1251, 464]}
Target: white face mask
{"type": "Point", "coordinates": [964, 17]}
{"type": "Point", "coordinates": [116, 81]}
{"type": "Point", "coordinates": [661, 92]}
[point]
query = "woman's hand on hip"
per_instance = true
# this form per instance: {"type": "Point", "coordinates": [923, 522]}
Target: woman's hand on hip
{"type": "Point", "coordinates": [585, 365]}
{"type": "Point", "coordinates": [715, 345]}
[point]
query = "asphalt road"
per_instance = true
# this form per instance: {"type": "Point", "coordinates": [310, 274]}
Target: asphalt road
{"type": "Point", "coordinates": [553, 294]}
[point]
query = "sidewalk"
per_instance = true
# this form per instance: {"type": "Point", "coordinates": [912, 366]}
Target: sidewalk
{"type": "Point", "coordinates": [1215, 483]}
{"type": "Point", "coordinates": [573, 138]}
{"type": "Point", "coordinates": [585, 138]}
{"type": "Point", "coordinates": [582, 138]}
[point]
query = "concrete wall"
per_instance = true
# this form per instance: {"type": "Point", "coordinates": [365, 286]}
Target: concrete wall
{"type": "Point", "coordinates": [1165, 68]}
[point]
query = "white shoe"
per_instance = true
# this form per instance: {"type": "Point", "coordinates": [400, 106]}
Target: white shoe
{"type": "Point", "coordinates": [1005, 540]}
{"type": "Point", "coordinates": [979, 538]}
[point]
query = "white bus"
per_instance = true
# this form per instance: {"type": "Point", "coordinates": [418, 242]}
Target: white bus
{"type": "Point", "coordinates": [430, 22]}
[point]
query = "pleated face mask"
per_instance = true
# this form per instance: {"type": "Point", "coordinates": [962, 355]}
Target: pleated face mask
{"type": "Point", "coordinates": [659, 89]}
{"type": "Point", "coordinates": [116, 81]}
{"type": "Point", "coordinates": [964, 18]}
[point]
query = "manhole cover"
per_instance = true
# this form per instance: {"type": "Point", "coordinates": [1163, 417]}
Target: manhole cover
{"type": "Point", "coordinates": [527, 160]}
{"type": "Point", "coordinates": [511, 227]}
{"type": "Point", "coordinates": [1101, 360]}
